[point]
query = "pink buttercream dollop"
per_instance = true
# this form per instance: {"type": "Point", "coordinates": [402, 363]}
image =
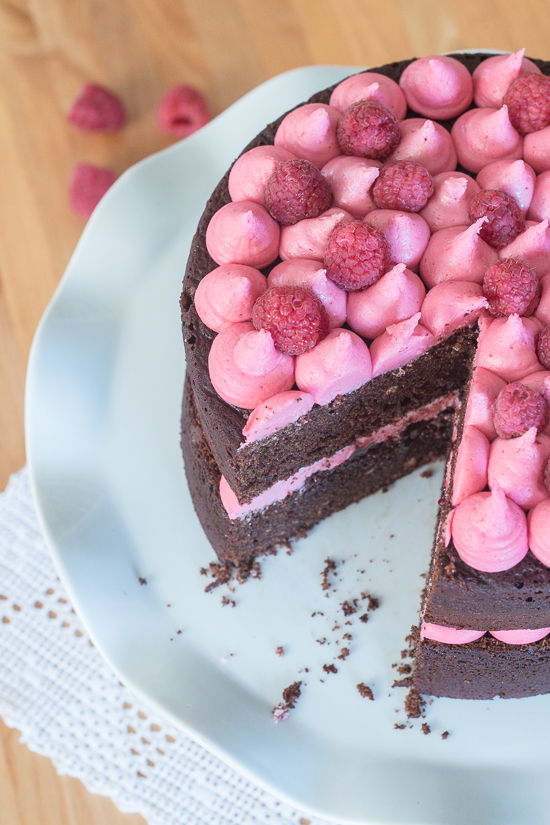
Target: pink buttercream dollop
{"type": "Point", "coordinates": [539, 209]}
{"type": "Point", "coordinates": [451, 305]}
{"type": "Point", "coordinates": [517, 464]}
{"type": "Point", "coordinates": [226, 295]}
{"type": "Point", "coordinates": [493, 77]}
{"type": "Point", "coordinates": [399, 344]}
{"type": "Point", "coordinates": [457, 254]}
{"type": "Point", "coordinates": [532, 247]}
{"type": "Point", "coordinates": [395, 297]}
{"type": "Point", "coordinates": [485, 387]}
{"type": "Point", "coordinates": [515, 177]}
{"type": "Point", "coordinates": [449, 635]}
{"type": "Point", "coordinates": [276, 413]}
{"type": "Point", "coordinates": [406, 232]}
{"type": "Point", "coordinates": [507, 348]}
{"type": "Point", "coordinates": [370, 86]}
{"type": "Point", "coordinates": [243, 233]}
{"type": "Point", "coordinates": [308, 238]}
{"type": "Point", "coordinates": [248, 389]}
{"type": "Point", "coordinates": [542, 312]}
{"type": "Point", "coordinates": [470, 474]}
{"type": "Point", "coordinates": [520, 637]}
{"type": "Point", "coordinates": [538, 523]}
{"type": "Point", "coordinates": [482, 136]}
{"type": "Point", "coordinates": [310, 132]}
{"type": "Point", "coordinates": [437, 87]}
{"type": "Point", "coordinates": [351, 180]}
{"type": "Point", "coordinates": [490, 531]}
{"type": "Point", "coordinates": [536, 150]}
{"type": "Point", "coordinates": [336, 366]}
{"type": "Point", "coordinates": [250, 173]}
{"type": "Point", "coordinates": [427, 143]}
{"type": "Point", "coordinates": [312, 275]}
{"type": "Point", "coordinates": [450, 202]}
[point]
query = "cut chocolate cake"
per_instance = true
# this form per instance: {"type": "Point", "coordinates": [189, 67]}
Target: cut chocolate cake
{"type": "Point", "coordinates": [356, 305]}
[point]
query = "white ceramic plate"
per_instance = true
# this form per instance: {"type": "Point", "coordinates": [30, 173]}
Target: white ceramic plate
{"type": "Point", "coordinates": [103, 408]}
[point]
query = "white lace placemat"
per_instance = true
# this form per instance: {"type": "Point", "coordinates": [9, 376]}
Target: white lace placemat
{"type": "Point", "coordinates": [59, 692]}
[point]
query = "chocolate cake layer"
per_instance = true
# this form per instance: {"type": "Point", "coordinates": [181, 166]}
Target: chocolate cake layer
{"type": "Point", "coordinates": [482, 669]}
{"type": "Point", "coordinates": [369, 469]}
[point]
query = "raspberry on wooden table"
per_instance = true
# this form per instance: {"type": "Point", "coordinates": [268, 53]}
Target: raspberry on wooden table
{"type": "Point", "coordinates": [88, 185]}
{"type": "Point", "coordinates": [543, 347]}
{"type": "Point", "coordinates": [518, 408]}
{"type": "Point", "coordinates": [511, 287]}
{"type": "Point", "coordinates": [96, 109]}
{"type": "Point", "coordinates": [182, 110]}
{"type": "Point", "coordinates": [505, 218]}
{"type": "Point", "coordinates": [294, 316]}
{"type": "Point", "coordinates": [369, 130]}
{"type": "Point", "coordinates": [296, 190]}
{"type": "Point", "coordinates": [405, 185]}
{"type": "Point", "coordinates": [528, 101]}
{"type": "Point", "coordinates": [357, 256]}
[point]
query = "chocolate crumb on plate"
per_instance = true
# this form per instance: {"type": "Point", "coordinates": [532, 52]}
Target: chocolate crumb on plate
{"type": "Point", "coordinates": [426, 728]}
{"type": "Point", "coordinates": [330, 567]}
{"type": "Point", "coordinates": [445, 734]}
{"type": "Point", "coordinates": [365, 691]}
{"type": "Point", "coordinates": [280, 651]}
{"type": "Point", "coordinates": [330, 669]}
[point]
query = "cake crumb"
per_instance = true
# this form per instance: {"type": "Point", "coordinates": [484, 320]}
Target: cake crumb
{"type": "Point", "coordinates": [221, 574]}
{"type": "Point", "coordinates": [336, 627]}
{"type": "Point", "coordinates": [344, 653]}
{"type": "Point", "coordinates": [373, 604]}
{"type": "Point", "coordinates": [364, 618]}
{"type": "Point", "coordinates": [290, 696]}
{"type": "Point", "coordinates": [330, 669]}
{"type": "Point", "coordinates": [399, 727]}
{"type": "Point", "coordinates": [349, 607]}
{"type": "Point", "coordinates": [445, 734]}
{"type": "Point", "coordinates": [403, 669]}
{"type": "Point", "coordinates": [348, 636]}
{"type": "Point", "coordinates": [406, 682]}
{"type": "Point", "coordinates": [280, 651]}
{"type": "Point", "coordinates": [426, 728]}
{"type": "Point", "coordinates": [365, 691]}
{"type": "Point", "coordinates": [142, 580]}
{"type": "Point", "coordinates": [427, 474]}
{"type": "Point", "coordinates": [330, 567]}
{"type": "Point", "coordinates": [322, 641]}
{"type": "Point", "coordinates": [226, 600]}
{"type": "Point", "coordinates": [414, 704]}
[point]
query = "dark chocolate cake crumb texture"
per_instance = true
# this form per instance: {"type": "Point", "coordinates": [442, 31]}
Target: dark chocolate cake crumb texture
{"type": "Point", "coordinates": [365, 691]}
{"type": "Point", "coordinates": [330, 669]}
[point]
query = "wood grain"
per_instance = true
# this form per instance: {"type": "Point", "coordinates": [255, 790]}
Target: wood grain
{"type": "Point", "coordinates": [139, 48]}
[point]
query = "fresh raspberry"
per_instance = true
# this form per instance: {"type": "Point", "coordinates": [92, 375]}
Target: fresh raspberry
{"type": "Point", "coordinates": [87, 187]}
{"type": "Point", "coordinates": [369, 130]}
{"type": "Point", "coordinates": [294, 316]}
{"type": "Point", "coordinates": [543, 347]}
{"type": "Point", "coordinates": [518, 408]}
{"type": "Point", "coordinates": [296, 190]}
{"type": "Point", "coordinates": [181, 111]}
{"type": "Point", "coordinates": [96, 109]}
{"type": "Point", "coordinates": [357, 256]}
{"type": "Point", "coordinates": [528, 101]}
{"type": "Point", "coordinates": [547, 477]}
{"type": "Point", "coordinates": [510, 286]}
{"type": "Point", "coordinates": [506, 219]}
{"type": "Point", "coordinates": [404, 185]}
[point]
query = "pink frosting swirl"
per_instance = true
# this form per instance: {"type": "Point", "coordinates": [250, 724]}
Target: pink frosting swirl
{"type": "Point", "coordinates": [250, 173]}
{"type": "Point", "coordinates": [520, 637]}
{"type": "Point", "coordinates": [276, 413]}
{"type": "Point", "coordinates": [240, 348]}
{"type": "Point", "coordinates": [493, 77]}
{"type": "Point", "coordinates": [532, 246]}
{"type": "Point", "coordinates": [399, 344]}
{"type": "Point", "coordinates": [484, 389]}
{"type": "Point", "coordinates": [351, 179]}
{"type": "Point", "coordinates": [226, 295]}
{"type": "Point", "coordinates": [515, 177]}
{"type": "Point", "coordinates": [536, 150]}
{"type": "Point", "coordinates": [370, 86]}
{"type": "Point", "coordinates": [406, 232]}
{"type": "Point", "coordinates": [312, 275]}
{"type": "Point", "coordinates": [542, 311]}
{"type": "Point", "coordinates": [449, 635]}
{"type": "Point", "coordinates": [457, 254]}
{"type": "Point", "coordinates": [539, 209]}
{"type": "Point", "coordinates": [451, 305]}
{"type": "Point", "coordinates": [395, 297]}
{"type": "Point", "coordinates": [471, 465]}
{"type": "Point", "coordinates": [310, 132]}
{"type": "Point", "coordinates": [308, 238]}
{"type": "Point", "coordinates": [336, 366]}
{"type": "Point", "coordinates": [450, 202]}
{"type": "Point", "coordinates": [437, 87]}
{"type": "Point", "coordinates": [427, 143]}
{"type": "Point", "coordinates": [485, 135]}
{"type": "Point", "coordinates": [517, 464]}
{"type": "Point", "coordinates": [538, 523]}
{"type": "Point", "coordinates": [490, 531]}
{"type": "Point", "coordinates": [507, 348]}
{"type": "Point", "coordinates": [243, 233]}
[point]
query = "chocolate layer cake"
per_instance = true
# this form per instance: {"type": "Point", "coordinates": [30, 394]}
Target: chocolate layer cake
{"type": "Point", "coordinates": [253, 495]}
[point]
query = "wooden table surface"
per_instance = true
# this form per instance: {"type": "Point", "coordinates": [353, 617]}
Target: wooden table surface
{"type": "Point", "coordinates": [139, 48]}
